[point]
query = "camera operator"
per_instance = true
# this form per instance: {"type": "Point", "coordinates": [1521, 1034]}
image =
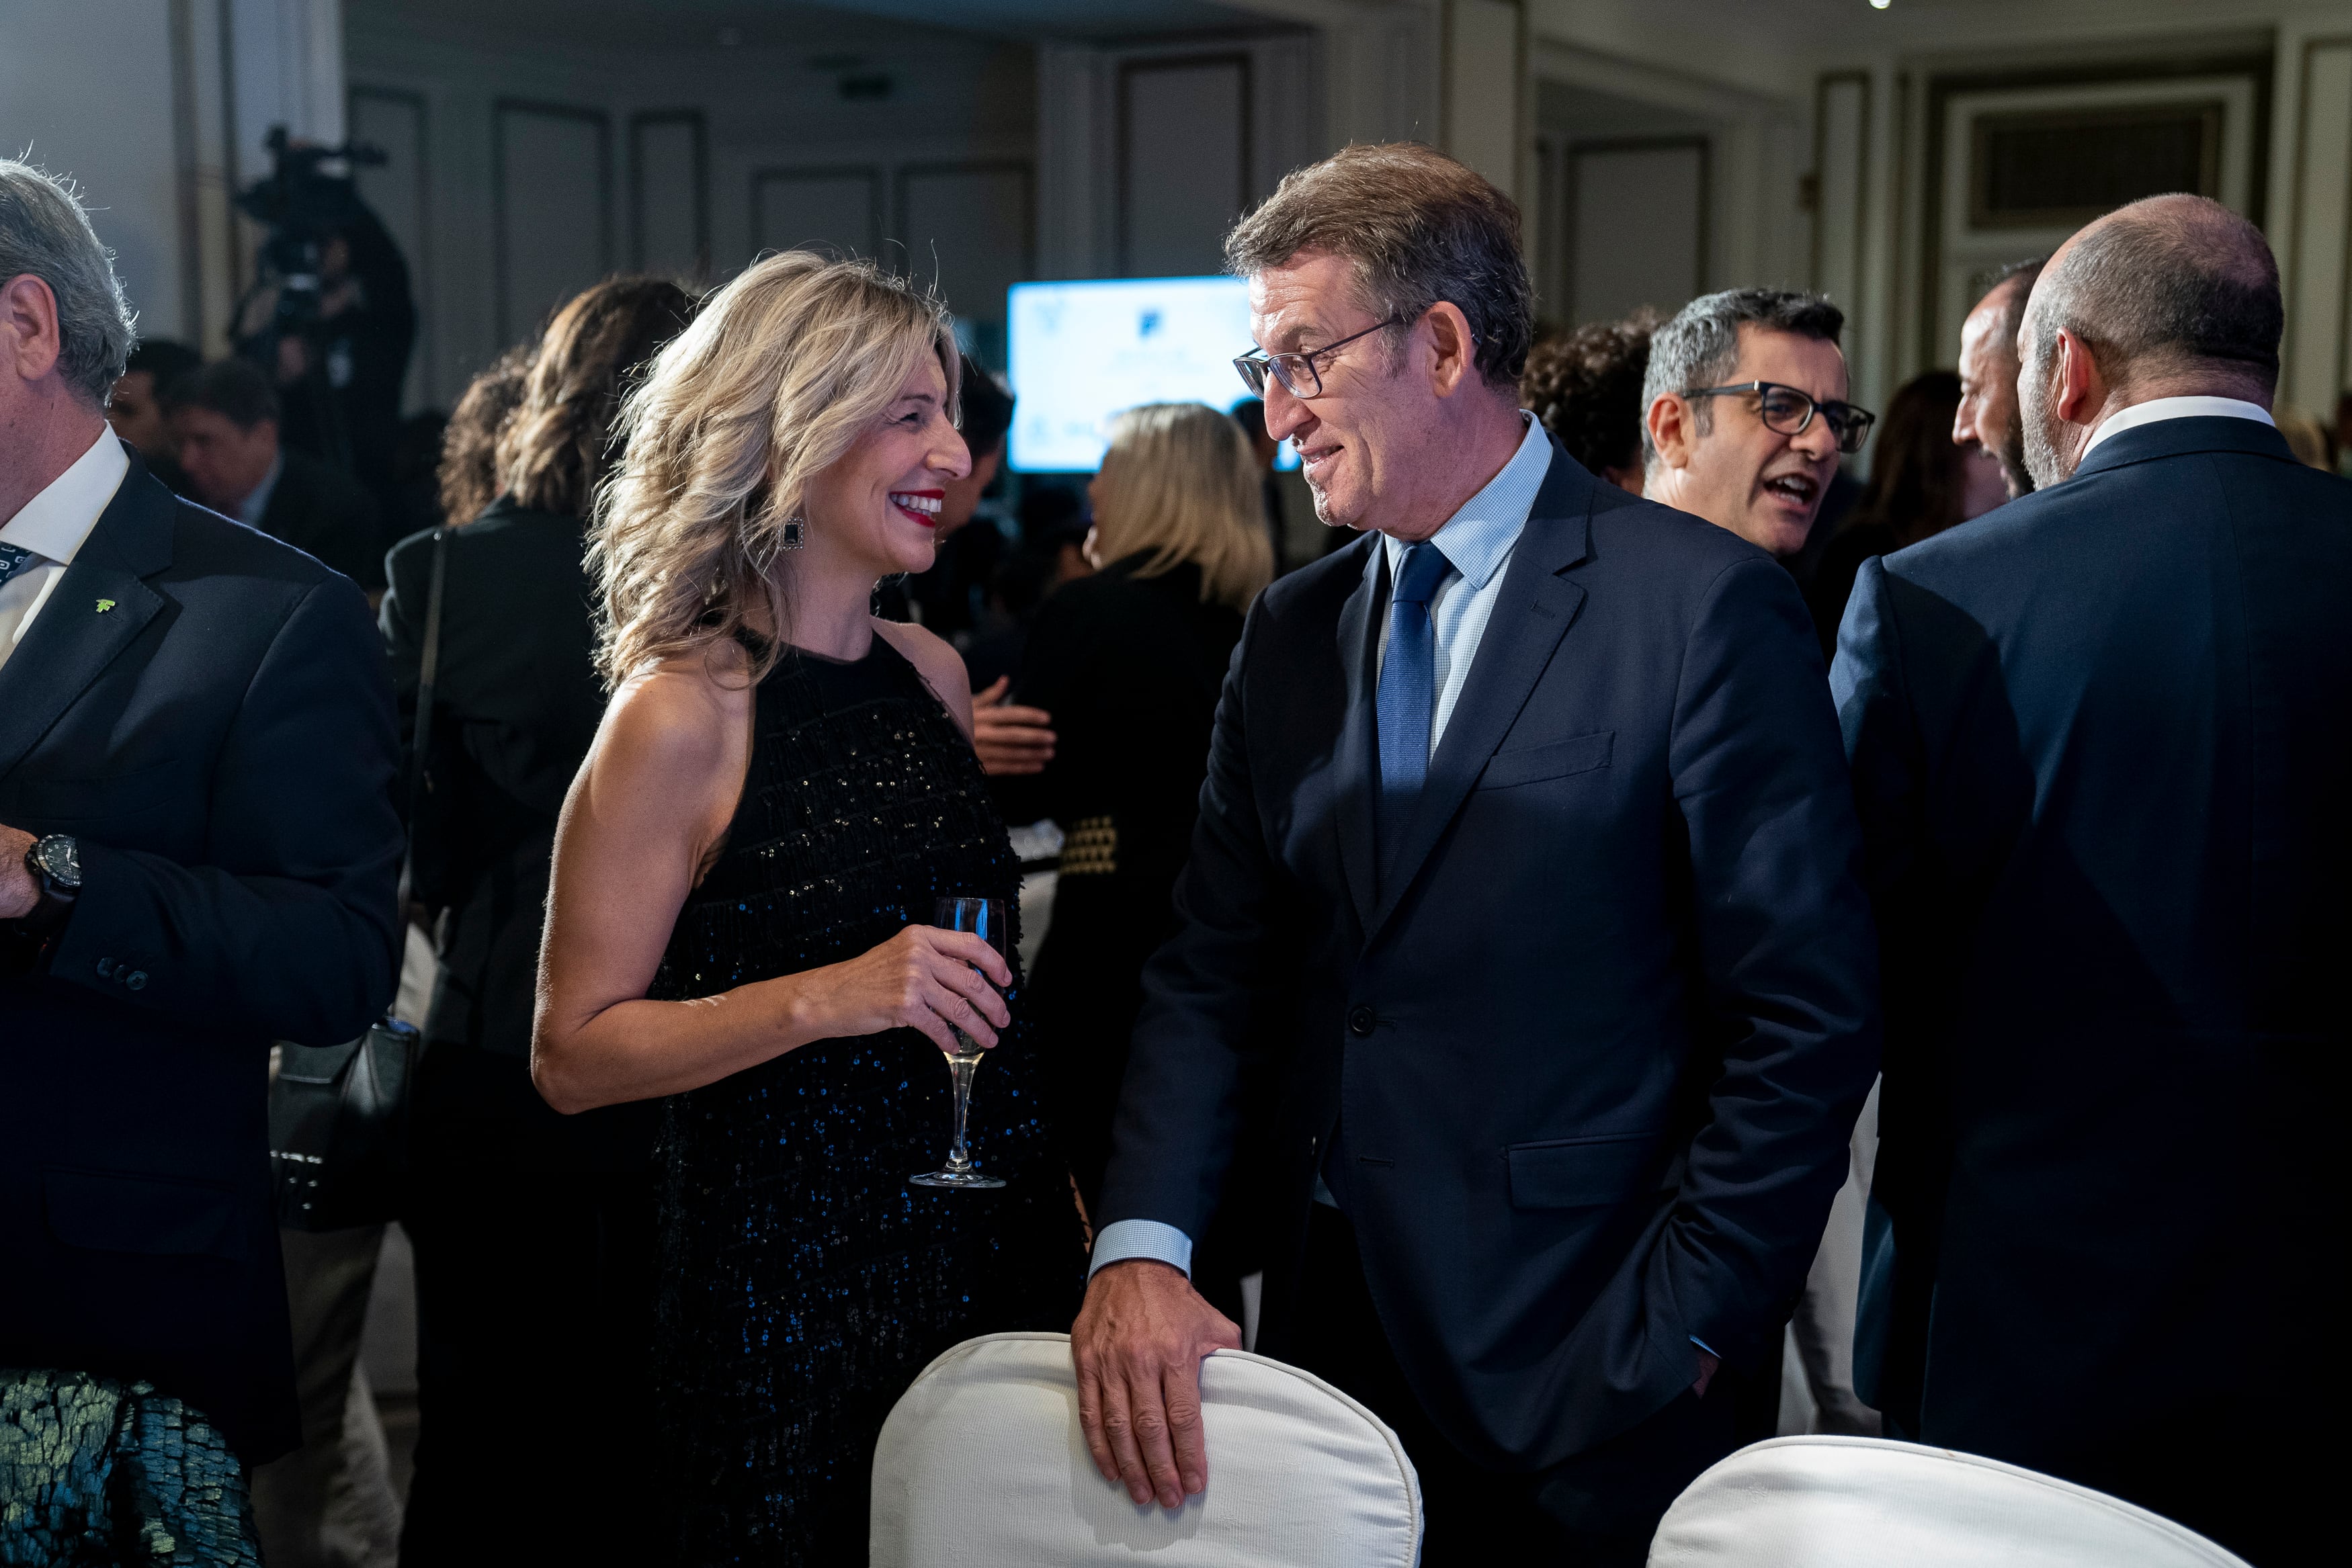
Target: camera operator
{"type": "Point", "coordinates": [331, 319]}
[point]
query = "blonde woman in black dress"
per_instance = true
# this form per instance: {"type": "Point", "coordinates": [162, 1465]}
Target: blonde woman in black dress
{"type": "Point", "coordinates": [782, 787]}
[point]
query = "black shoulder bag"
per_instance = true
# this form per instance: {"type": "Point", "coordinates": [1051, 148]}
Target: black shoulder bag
{"type": "Point", "coordinates": [339, 1114]}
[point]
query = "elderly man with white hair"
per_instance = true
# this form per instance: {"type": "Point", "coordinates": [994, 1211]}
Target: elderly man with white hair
{"type": "Point", "coordinates": [197, 856]}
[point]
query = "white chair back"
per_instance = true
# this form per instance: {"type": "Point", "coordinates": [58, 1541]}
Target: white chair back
{"type": "Point", "coordinates": [980, 1465]}
{"type": "Point", "coordinates": [1863, 1502]}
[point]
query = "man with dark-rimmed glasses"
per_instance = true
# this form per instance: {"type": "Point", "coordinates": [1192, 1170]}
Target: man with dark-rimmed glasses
{"type": "Point", "coordinates": [1745, 413]}
{"type": "Point", "coordinates": [1522, 930]}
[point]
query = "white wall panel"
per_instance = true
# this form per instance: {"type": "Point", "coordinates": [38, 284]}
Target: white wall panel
{"type": "Point", "coordinates": [1184, 151]}
{"type": "Point", "coordinates": [2319, 348]}
{"type": "Point", "coordinates": [554, 188]}
{"type": "Point", "coordinates": [971, 227]}
{"type": "Point", "coordinates": [1637, 227]}
{"type": "Point", "coordinates": [1841, 207]}
{"type": "Point", "coordinates": [837, 210]}
{"type": "Point", "coordinates": [396, 191]}
{"type": "Point", "coordinates": [1485, 89]}
{"type": "Point", "coordinates": [669, 194]}
{"type": "Point", "coordinates": [95, 101]}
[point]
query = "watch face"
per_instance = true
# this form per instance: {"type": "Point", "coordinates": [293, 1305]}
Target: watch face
{"type": "Point", "coordinates": [59, 859]}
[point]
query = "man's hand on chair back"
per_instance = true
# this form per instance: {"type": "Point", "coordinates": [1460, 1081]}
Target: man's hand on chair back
{"type": "Point", "coordinates": [1138, 1344]}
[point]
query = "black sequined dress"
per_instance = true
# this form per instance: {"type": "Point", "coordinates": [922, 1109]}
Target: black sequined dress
{"type": "Point", "coordinates": [803, 1283]}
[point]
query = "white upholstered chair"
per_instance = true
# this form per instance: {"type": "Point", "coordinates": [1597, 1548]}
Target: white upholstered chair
{"type": "Point", "coordinates": [1863, 1502]}
{"type": "Point", "coordinates": [980, 1466]}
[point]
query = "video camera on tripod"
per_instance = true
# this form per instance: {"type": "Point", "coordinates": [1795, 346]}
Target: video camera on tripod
{"type": "Point", "coordinates": [303, 207]}
{"type": "Point", "coordinates": [330, 316]}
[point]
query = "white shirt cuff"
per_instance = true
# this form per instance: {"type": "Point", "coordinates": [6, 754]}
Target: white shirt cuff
{"type": "Point", "coordinates": [1125, 1238]}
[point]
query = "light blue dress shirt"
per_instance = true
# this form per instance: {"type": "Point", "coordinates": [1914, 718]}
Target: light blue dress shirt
{"type": "Point", "coordinates": [1477, 541]}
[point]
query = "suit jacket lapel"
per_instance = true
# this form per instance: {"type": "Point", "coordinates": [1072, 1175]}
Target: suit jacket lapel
{"type": "Point", "coordinates": [1354, 777]}
{"type": "Point", "coordinates": [73, 638]}
{"type": "Point", "coordinates": [1530, 617]}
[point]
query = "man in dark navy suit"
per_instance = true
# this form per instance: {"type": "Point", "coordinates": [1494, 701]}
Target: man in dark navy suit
{"type": "Point", "coordinates": [2102, 743]}
{"type": "Point", "coordinates": [1524, 923]}
{"type": "Point", "coordinates": [197, 853]}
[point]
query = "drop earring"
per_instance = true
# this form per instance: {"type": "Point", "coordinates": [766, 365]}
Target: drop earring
{"type": "Point", "coordinates": [795, 532]}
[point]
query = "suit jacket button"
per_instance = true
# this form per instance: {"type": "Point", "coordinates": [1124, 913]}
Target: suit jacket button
{"type": "Point", "coordinates": [1361, 1021]}
{"type": "Point", "coordinates": [138, 979]}
{"type": "Point", "coordinates": [106, 969]}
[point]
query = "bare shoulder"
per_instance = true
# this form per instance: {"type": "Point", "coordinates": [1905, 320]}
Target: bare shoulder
{"type": "Point", "coordinates": [680, 730]}
{"type": "Point", "coordinates": [936, 660]}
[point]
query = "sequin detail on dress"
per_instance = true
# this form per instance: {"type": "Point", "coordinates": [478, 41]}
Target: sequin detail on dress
{"type": "Point", "coordinates": [803, 1282]}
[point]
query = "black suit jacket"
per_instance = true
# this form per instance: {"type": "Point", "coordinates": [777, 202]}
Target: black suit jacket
{"type": "Point", "coordinates": [324, 512]}
{"type": "Point", "coordinates": [1130, 668]}
{"type": "Point", "coordinates": [2102, 742]}
{"type": "Point", "coordinates": [1594, 1052]}
{"type": "Point", "coordinates": [205, 711]}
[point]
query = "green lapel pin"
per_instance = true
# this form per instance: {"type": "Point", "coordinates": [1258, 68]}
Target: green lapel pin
{"type": "Point", "coordinates": [104, 605]}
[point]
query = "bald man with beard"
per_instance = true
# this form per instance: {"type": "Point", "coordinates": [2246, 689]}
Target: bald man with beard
{"type": "Point", "coordinates": [1987, 419]}
{"type": "Point", "coordinates": [2100, 748]}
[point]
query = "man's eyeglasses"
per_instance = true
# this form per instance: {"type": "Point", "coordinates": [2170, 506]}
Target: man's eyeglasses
{"type": "Point", "coordinates": [1298, 372]}
{"type": "Point", "coordinates": [1790, 412]}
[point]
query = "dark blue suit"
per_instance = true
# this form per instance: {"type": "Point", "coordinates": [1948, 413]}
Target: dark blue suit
{"type": "Point", "coordinates": [1595, 1046]}
{"type": "Point", "coordinates": [218, 739]}
{"type": "Point", "coordinates": [2102, 743]}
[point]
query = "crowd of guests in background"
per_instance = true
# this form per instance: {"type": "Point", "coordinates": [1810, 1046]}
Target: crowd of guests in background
{"type": "Point", "coordinates": [787, 501]}
{"type": "Point", "coordinates": [1949, 450]}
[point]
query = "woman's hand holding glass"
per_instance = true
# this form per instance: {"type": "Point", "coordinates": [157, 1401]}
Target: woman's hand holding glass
{"type": "Point", "coordinates": [925, 979]}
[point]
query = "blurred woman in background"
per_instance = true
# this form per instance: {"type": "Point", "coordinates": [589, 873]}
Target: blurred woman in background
{"type": "Point", "coordinates": [1130, 662]}
{"type": "Point", "coordinates": [533, 1231]}
{"type": "Point", "coordinates": [469, 477]}
{"type": "Point", "coordinates": [1920, 485]}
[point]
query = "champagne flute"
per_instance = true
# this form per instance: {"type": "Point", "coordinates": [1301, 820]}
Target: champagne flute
{"type": "Point", "coordinates": [984, 919]}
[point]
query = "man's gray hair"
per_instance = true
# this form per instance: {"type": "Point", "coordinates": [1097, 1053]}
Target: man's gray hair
{"type": "Point", "coordinates": [2167, 282]}
{"type": "Point", "coordinates": [1700, 346]}
{"type": "Point", "coordinates": [45, 231]}
{"type": "Point", "coordinates": [1418, 227]}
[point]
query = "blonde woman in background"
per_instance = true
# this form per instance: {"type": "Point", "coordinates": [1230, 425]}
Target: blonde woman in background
{"type": "Point", "coordinates": [743, 880]}
{"type": "Point", "coordinates": [1128, 662]}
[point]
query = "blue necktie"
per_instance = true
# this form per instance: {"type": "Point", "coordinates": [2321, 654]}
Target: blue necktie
{"type": "Point", "coordinates": [14, 559]}
{"type": "Point", "coordinates": [1408, 693]}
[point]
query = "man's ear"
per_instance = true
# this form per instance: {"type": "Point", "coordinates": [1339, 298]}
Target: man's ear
{"type": "Point", "coordinates": [1457, 352]}
{"type": "Point", "coordinates": [28, 327]}
{"type": "Point", "coordinates": [1674, 430]}
{"type": "Point", "coordinates": [2081, 392]}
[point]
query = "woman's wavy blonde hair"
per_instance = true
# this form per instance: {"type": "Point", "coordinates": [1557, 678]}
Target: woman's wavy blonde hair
{"type": "Point", "coordinates": [781, 373]}
{"type": "Point", "coordinates": [1181, 484]}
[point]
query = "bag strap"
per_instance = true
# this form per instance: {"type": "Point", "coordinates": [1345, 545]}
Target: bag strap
{"type": "Point", "coordinates": [428, 670]}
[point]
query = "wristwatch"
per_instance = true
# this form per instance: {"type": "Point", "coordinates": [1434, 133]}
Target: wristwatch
{"type": "Point", "coordinates": [54, 862]}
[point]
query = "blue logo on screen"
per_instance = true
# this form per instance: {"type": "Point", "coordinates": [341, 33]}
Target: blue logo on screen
{"type": "Point", "coordinates": [1146, 323]}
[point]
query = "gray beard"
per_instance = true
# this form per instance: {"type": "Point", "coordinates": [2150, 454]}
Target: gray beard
{"type": "Point", "coordinates": [2011, 457]}
{"type": "Point", "coordinates": [2046, 463]}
